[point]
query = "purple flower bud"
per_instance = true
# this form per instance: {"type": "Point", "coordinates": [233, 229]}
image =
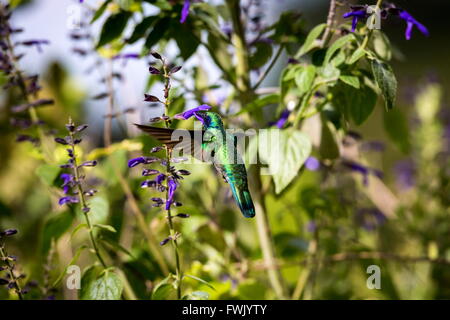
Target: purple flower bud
{"type": "Point", "coordinates": [156, 149]}
{"type": "Point", "coordinates": [183, 215]}
{"type": "Point", "coordinates": [148, 184]}
{"type": "Point", "coordinates": [156, 55]}
{"type": "Point", "coordinates": [165, 241]}
{"type": "Point", "coordinates": [175, 69]}
{"type": "Point", "coordinates": [160, 178]}
{"type": "Point", "coordinates": [81, 128]}
{"type": "Point", "coordinates": [150, 98]}
{"type": "Point", "coordinates": [8, 233]}
{"type": "Point", "coordinates": [149, 172]}
{"type": "Point", "coordinates": [61, 141]}
{"type": "Point", "coordinates": [86, 209]}
{"type": "Point", "coordinates": [153, 70]}
{"type": "Point", "coordinates": [3, 282]}
{"type": "Point", "coordinates": [183, 172]}
{"type": "Point", "coordinates": [68, 199]}
{"type": "Point", "coordinates": [141, 160]}
{"type": "Point", "coordinates": [91, 163]}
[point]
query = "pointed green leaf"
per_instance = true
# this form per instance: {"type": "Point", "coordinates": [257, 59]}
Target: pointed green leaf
{"type": "Point", "coordinates": [351, 81]}
{"type": "Point", "coordinates": [200, 280]}
{"type": "Point", "coordinates": [339, 43]}
{"type": "Point", "coordinates": [304, 79]}
{"type": "Point", "coordinates": [284, 151]}
{"type": "Point", "coordinates": [385, 78]}
{"type": "Point", "coordinates": [357, 54]}
{"type": "Point", "coordinates": [105, 227]}
{"type": "Point", "coordinates": [48, 173]}
{"type": "Point", "coordinates": [310, 40]}
{"type": "Point", "coordinates": [107, 286]}
{"type": "Point", "coordinates": [113, 27]}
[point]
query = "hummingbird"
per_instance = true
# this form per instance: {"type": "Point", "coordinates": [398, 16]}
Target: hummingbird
{"type": "Point", "coordinates": [217, 146]}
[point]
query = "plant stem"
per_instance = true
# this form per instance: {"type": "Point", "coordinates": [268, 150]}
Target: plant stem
{"type": "Point", "coordinates": [330, 22]}
{"type": "Point", "coordinates": [10, 268]}
{"type": "Point", "coordinates": [266, 72]}
{"type": "Point", "coordinates": [84, 204]}
{"type": "Point", "coordinates": [246, 94]}
{"type": "Point", "coordinates": [173, 233]}
{"type": "Point", "coordinates": [107, 132]}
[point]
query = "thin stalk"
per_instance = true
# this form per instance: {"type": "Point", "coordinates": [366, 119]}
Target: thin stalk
{"type": "Point", "coordinates": [266, 72]}
{"type": "Point", "coordinates": [84, 204]}
{"type": "Point", "coordinates": [25, 95]}
{"type": "Point", "coordinates": [107, 139]}
{"type": "Point", "coordinates": [173, 234]}
{"type": "Point", "coordinates": [246, 94]}
{"type": "Point", "coordinates": [330, 22]}
{"type": "Point", "coordinates": [10, 268]}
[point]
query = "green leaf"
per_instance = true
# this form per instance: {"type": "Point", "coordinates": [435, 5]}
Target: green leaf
{"type": "Point", "coordinates": [351, 81]}
{"type": "Point", "coordinates": [385, 78]}
{"type": "Point", "coordinates": [54, 228]}
{"type": "Point", "coordinates": [355, 104]}
{"type": "Point", "coordinates": [113, 27]}
{"type": "Point", "coordinates": [99, 210]}
{"type": "Point", "coordinates": [105, 227]}
{"type": "Point", "coordinates": [336, 46]}
{"type": "Point", "coordinates": [260, 103]}
{"type": "Point", "coordinates": [78, 228]}
{"type": "Point", "coordinates": [305, 79]}
{"type": "Point", "coordinates": [141, 29]}
{"type": "Point", "coordinates": [107, 286]}
{"type": "Point", "coordinates": [186, 37]}
{"type": "Point", "coordinates": [159, 30]}
{"type": "Point", "coordinates": [206, 283]}
{"type": "Point", "coordinates": [330, 73]}
{"type": "Point", "coordinates": [48, 173]}
{"type": "Point", "coordinates": [284, 151]}
{"type": "Point", "coordinates": [310, 40]}
{"type": "Point", "coordinates": [357, 54]}
{"type": "Point", "coordinates": [163, 289]}
{"type": "Point", "coordinates": [100, 11]}
{"type": "Point", "coordinates": [262, 54]}
{"type": "Point", "coordinates": [382, 45]}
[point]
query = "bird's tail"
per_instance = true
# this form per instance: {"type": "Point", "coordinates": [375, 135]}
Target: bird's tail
{"type": "Point", "coordinates": [244, 201]}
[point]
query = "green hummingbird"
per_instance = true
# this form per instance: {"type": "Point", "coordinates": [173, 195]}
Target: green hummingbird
{"type": "Point", "coordinates": [217, 146]}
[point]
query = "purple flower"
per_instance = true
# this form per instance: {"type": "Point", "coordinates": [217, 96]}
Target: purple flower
{"type": "Point", "coordinates": [185, 10]}
{"type": "Point", "coordinates": [363, 170]}
{"type": "Point", "coordinates": [68, 199]}
{"type": "Point", "coordinates": [282, 120]}
{"type": "Point", "coordinates": [312, 164]}
{"type": "Point", "coordinates": [191, 112]}
{"type": "Point", "coordinates": [37, 43]}
{"type": "Point", "coordinates": [311, 226]}
{"type": "Point", "coordinates": [405, 174]}
{"type": "Point", "coordinates": [160, 178]}
{"type": "Point", "coordinates": [140, 160]}
{"type": "Point", "coordinates": [370, 218]}
{"type": "Point", "coordinates": [67, 180]}
{"type": "Point", "coordinates": [410, 23]}
{"type": "Point", "coordinates": [357, 15]}
{"type": "Point", "coordinates": [172, 187]}
{"type": "Point", "coordinates": [377, 146]}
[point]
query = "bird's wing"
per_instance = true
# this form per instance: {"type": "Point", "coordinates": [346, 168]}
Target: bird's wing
{"type": "Point", "coordinates": [190, 141]}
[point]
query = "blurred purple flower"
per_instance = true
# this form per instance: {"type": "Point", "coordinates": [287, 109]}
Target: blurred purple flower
{"type": "Point", "coordinates": [172, 187]}
{"type": "Point", "coordinates": [377, 146]}
{"type": "Point", "coordinates": [370, 218]}
{"type": "Point", "coordinates": [191, 112]}
{"type": "Point", "coordinates": [405, 174]}
{"type": "Point", "coordinates": [68, 199]}
{"type": "Point", "coordinates": [410, 23]}
{"type": "Point", "coordinates": [185, 11]}
{"type": "Point", "coordinates": [311, 226]}
{"type": "Point", "coordinates": [67, 180]}
{"type": "Point", "coordinates": [312, 164]}
{"type": "Point", "coordinates": [363, 170]}
{"type": "Point", "coordinates": [141, 160]}
{"type": "Point", "coordinates": [282, 120]}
